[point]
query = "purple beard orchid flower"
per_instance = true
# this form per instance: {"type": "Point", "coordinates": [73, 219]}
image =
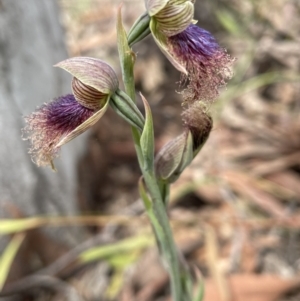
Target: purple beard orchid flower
{"type": "Point", "coordinates": [204, 65]}
{"type": "Point", "coordinates": [66, 117]}
{"type": "Point", "coordinates": [207, 65]}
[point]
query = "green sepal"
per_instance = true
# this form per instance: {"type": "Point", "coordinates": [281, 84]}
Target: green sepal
{"type": "Point", "coordinates": [139, 30]}
{"type": "Point", "coordinates": [124, 106]}
{"type": "Point", "coordinates": [147, 138]}
{"type": "Point", "coordinates": [127, 57]}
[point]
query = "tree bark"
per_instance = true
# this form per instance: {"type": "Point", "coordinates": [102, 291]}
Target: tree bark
{"type": "Point", "coordinates": [31, 42]}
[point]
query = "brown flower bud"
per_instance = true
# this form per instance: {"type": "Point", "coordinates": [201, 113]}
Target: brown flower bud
{"type": "Point", "coordinates": [177, 154]}
{"type": "Point", "coordinates": [199, 122]}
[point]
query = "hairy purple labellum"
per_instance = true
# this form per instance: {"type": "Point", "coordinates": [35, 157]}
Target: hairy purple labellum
{"type": "Point", "coordinates": [206, 62]}
{"type": "Point", "coordinates": [50, 123]}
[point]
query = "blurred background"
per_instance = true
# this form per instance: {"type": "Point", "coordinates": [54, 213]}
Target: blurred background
{"type": "Point", "coordinates": [235, 211]}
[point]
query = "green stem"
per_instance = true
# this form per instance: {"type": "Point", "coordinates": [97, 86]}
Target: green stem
{"type": "Point", "coordinates": [162, 225]}
{"type": "Point", "coordinates": [165, 236]}
{"type": "Point", "coordinates": [157, 213]}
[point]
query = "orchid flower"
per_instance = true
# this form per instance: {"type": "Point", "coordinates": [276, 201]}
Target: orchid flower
{"type": "Point", "coordinates": [61, 120]}
{"type": "Point", "coordinates": [204, 64]}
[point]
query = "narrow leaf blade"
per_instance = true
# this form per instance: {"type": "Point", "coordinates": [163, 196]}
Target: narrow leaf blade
{"type": "Point", "coordinates": [147, 138]}
{"type": "Point", "coordinates": [8, 256]}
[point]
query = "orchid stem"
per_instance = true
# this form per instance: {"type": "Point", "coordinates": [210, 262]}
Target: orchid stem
{"type": "Point", "coordinates": [157, 211]}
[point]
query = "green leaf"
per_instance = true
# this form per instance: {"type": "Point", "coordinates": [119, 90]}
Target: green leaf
{"type": "Point", "coordinates": [8, 256]}
{"type": "Point", "coordinates": [115, 285]}
{"type": "Point", "coordinates": [147, 138]}
{"type": "Point", "coordinates": [8, 226]}
{"type": "Point", "coordinates": [126, 245]}
{"type": "Point", "coordinates": [119, 263]}
{"type": "Point", "coordinates": [123, 260]}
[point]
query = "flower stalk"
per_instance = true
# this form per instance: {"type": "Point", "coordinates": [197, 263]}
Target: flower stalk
{"type": "Point", "coordinates": [155, 207]}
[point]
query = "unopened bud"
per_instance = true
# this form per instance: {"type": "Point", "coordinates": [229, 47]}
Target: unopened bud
{"type": "Point", "coordinates": [176, 155]}
{"type": "Point", "coordinates": [199, 122]}
{"type": "Point", "coordinates": [139, 30]}
{"type": "Point", "coordinates": [173, 158]}
{"type": "Point", "coordinates": [124, 106]}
